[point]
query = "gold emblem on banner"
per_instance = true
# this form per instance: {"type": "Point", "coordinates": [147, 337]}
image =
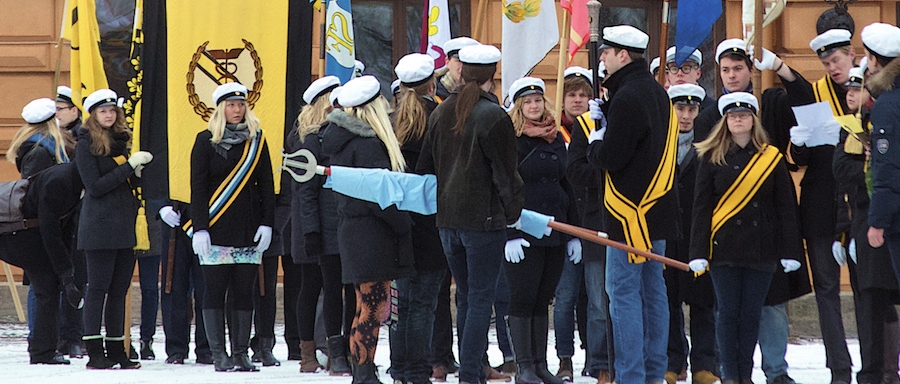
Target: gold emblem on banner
{"type": "Point", "coordinates": [210, 68]}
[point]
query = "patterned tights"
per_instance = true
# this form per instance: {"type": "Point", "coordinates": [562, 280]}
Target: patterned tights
{"type": "Point", "coordinates": [371, 301]}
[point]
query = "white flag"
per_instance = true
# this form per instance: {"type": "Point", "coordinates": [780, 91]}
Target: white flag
{"type": "Point", "coordinates": [530, 31]}
{"type": "Point", "coordinates": [438, 30]}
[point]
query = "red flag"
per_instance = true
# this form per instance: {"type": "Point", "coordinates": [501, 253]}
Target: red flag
{"type": "Point", "coordinates": [580, 30]}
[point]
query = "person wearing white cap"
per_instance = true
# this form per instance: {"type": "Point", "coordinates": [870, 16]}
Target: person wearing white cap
{"type": "Point", "coordinates": [417, 296]}
{"type": "Point", "coordinates": [109, 206]}
{"type": "Point", "coordinates": [741, 237]}
{"type": "Point", "coordinates": [688, 73]}
{"type": "Point", "coordinates": [376, 245]}
{"type": "Point", "coordinates": [637, 149]}
{"type": "Point", "coordinates": [882, 43]}
{"type": "Point", "coordinates": [576, 93]}
{"type": "Point", "coordinates": [39, 143]}
{"type": "Point", "coordinates": [470, 146]}
{"type": "Point", "coordinates": [450, 82]}
{"type": "Point", "coordinates": [67, 114]}
{"type": "Point", "coordinates": [682, 286]}
{"type": "Point", "coordinates": [230, 244]}
{"type": "Point", "coordinates": [395, 90]}
{"type": "Point", "coordinates": [358, 68]}
{"type": "Point", "coordinates": [736, 72]}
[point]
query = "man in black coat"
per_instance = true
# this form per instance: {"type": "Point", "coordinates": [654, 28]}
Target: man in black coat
{"type": "Point", "coordinates": [45, 253]}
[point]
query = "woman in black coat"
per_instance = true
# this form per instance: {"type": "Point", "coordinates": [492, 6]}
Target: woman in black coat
{"type": "Point", "coordinates": [231, 248]}
{"type": "Point", "coordinates": [375, 244]}
{"type": "Point", "coordinates": [40, 143]}
{"type": "Point", "coordinates": [109, 207]}
{"type": "Point", "coordinates": [533, 266]}
{"type": "Point", "coordinates": [744, 185]}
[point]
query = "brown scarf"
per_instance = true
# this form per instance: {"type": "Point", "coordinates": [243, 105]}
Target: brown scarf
{"type": "Point", "coordinates": [545, 129]}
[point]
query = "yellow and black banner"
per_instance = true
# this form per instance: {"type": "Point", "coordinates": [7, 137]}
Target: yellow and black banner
{"type": "Point", "coordinates": [824, 91]}
{"type": "Point", "coordinates": [81, 29]}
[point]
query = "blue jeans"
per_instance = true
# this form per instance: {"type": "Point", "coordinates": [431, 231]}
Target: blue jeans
{"type": "Point", "coordinates": [740, 293]}
{"type": "Point", "coordinates": [564, 308]}
{"type": "Point", "coordinates": [639, 310]}
{"type": "Point", "coordinates": [597, 313]}
{"type": "Point", "coordinates": [411, 334]}
{"type": "Point", "coordinates": [501, 310]}
{"type": "Point", "coordinates": [475, 258]}
{"type": "Point", "coordinates": [773, 339]}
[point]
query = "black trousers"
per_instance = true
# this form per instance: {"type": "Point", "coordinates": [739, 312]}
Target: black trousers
{"type": "Point", "coordinates": [292, 281]}
{"type": "Point", "coordinates": [45, 285]}
{"type": "Point", "coordinates": [264, 306]}
{"type": "Point", "coordinates": [177, 306]}
{"type": "Point", "coordinates": [71, 320]}
{"type": "Point", "coordinates": [339, 301]}
{"type": "Point", "coordinates": [239, 277]}
{"type": "Point", "coordinates": [874, 311]}
{"type": "Point", "coordinates": [532, 281]}
{"type": "Point", "coordinates": [826, 275]}
{"type": "Point", "coordinates": [109, 278]}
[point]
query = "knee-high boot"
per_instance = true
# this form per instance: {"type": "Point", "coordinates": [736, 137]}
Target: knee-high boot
{"type": "Point", "coordinates": [539, 327]}
{"type": "Point", "coordinates": [96, 353]}
{"type": "Point", "coordinates": [214, 323]}
{"type": "Point", "coordinates": [520, 337]}
{"type": "Point", "coordinates": [244, 320]}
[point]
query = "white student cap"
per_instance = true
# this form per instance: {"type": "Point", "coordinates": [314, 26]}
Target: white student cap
{"type": "Point", "coordinates": [414, 69]}
{"type": "Point", "coordinates": [695, 56]}
{"type": "Point", "coordinates": [731, 46]}
{"type": "Point", "coordinates": [359, 91]}
{"type": "Point", "coordinates": [229, 91]}
{"type": "Point", "coordinates": [452, 46]}
{"type": "Point", "coordinates": [320, 87]}
{"type": "Point", "coordinates": [882, 39]}
{"type": "Point", "coordinates": [738, 101]}
{"type": "Point", "coordinates": [102, 97]}
{"type": "Point", "coordinates": [686, 94]}
{"type": "Point", "coordinates": [526, 86]}
{"type": "Point", "coordinates": [830, 39]}
{"type": "Point", "coordinates": [479, 54]}
{"type": "Point", "coordinates": [39, 110]}
{"type": "Point", "coordinates": [625, 37]}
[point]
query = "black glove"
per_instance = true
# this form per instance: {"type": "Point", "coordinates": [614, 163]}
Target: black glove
{"type": "Point", "coordinates": [313, 243]}
{"type": "Point", "coordinates": [73, 295]}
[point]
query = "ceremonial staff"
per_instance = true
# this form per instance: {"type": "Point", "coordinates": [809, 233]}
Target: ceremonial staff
{"type": "Point", "coordinates": [758, 11]}
{"type": "Point", "coordinates": [663, 42]}
{"type": "Point", "coordinates": [593, 7]}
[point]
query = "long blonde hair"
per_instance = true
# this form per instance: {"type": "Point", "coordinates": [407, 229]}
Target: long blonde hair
{"type": "Point", "coordinates": [217, 122]}
{"type": "Point", "coordinates": [720, 141]}
{"type": "Point", "coordinates": [375, 114]}
{"type": "Point", "coordinates": [313, 115]}
{"type": "Point", "coordinates": [518, 117]}
{"type": "Point", "coordinates": [410, 116]}
{"type": "Point", "coordinates": [100, 139]}
{"type": "Point", "coordinates": [47, 128]}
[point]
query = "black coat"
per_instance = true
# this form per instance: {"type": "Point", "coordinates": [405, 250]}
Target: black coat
{"type": "Point", "coordinates": [631, 151]}
{"type": "Point", "coordinates": [884, 212]}
{"type": "Point", "coordinates": [427, 248]}
{"type": "Point", "coordinates": [479, 188]}
{"type": "Point", "coordinates": [314, 208]}
{"type": "Point", "coordinates": [51, 198]}
{"type": "Point", "coordinates": [375, 244]}
{"type": "Point", "coordinates": [32, 158]}
{"type": "Point", "coordinates": [587, 182]}
{"type": "Point", "coordinates": [109, 207]}
{"type": "Point", "coordinates": [253, 206]}
{"type": "Point", "coordinates": [542, 166]}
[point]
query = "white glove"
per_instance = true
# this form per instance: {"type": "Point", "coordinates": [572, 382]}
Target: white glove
{"type": "Point", "coordinates": [139, 158]}
{"type": "Point", "coordinates": [768, 61]}
{"type": "Point", "coordinates": [516, 225]}
{"type": "Point", "coordinates": [594, 107]}
{"type": "Point", "coordinates": [573, 249]}
{"type": "Point", "coordinates": [170, 216]}
{"type": "Point", "coordinates": [138, 170]}
{"type": "Point", "coordinates": [597, 134]}
{"type": "Point", "coordinates": [790, 265]}
{"type": "Point", "coordinates": [698, 265]}
{"type": "Point", "coordinates": [800, 135]}
{"type": "Point", "coordinates": [514, 250]}
{"type": "Point", "coordinates": [201, 243]}
{"type": "Point", "coordinates": [852, 250]}
{"type": "Point", "coordinates": [839, 253]}
{"type": "Point", "coordinates": [263, 237]}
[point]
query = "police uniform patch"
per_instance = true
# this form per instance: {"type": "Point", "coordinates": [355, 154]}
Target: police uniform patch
{"type": "Point", "coordinates": [882, 145]}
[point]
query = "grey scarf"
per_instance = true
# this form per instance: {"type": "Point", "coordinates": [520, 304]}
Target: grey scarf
{"type": "Point", "coordinates": [685, 141]}
{"type": "Point", "coordinates": [234, 134]}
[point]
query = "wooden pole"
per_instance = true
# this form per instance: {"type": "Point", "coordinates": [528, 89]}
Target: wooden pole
{"type": "Point", "coordinates": [758, 11]}
{"type": "Point", "coordinates": [663, 43]}
{"type": "Point", "coordinates": [479, 20]}
{"type": "Point", "coordinates": [561, 66]}
{"type": "Point", "coordinates": [14, 292]}
{"type": "Point", "coordinates": [59, 49]}
{"type": "Point", "coordinates": [594, 236]}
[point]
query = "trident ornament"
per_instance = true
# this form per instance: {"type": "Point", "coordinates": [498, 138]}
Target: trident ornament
{"type": "Point", "coordinates": [307, 168]}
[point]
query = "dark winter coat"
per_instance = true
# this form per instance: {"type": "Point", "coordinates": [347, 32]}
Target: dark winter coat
{"type": "Point", "coordinates": [375, 244]}
{"type": "Point", "coordinates": [884, 210]}
{"type": "Point", "coordinates": [314, 207]}
{"type": "Point", "coordinates": [775, 113]}
{"type": "Point", "coordinates": [479, 188]}
{"type": "Point", "coordinates": [51, 198]}
{"type": "Point", "coordinates": [587, 182]}
{"type": "Point", "coordinates": [633, 146]}
{"type": "Point", "coordinates": [427, 248]}
{"type": "Point", "coordinates": [253, 206]}
{"type": "Point", "coordinates": [32, 158]}
{"type": "Point", "coordinates": [109, 207]}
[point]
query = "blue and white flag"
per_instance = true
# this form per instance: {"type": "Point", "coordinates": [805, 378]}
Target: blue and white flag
{"type": "Point", "coordinates": [340, 51]}
{"type": "Point", "coordinates": [694, 24]}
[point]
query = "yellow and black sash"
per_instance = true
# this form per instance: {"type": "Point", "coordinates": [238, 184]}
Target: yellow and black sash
{"type": "Point", "coordinates": [744, 188]}
{"type": "Point", "coordinates": [587, 124]}
{"type": "Point", "coordinates": [438, 99]}
{"type": "Point", "coordinates": [231, 187]}
{"type": "Point", "coordinates": [824, 91]}
{"type": "Point", "coordinates": [633, 216]}
{"type": "Point", "coordinates": [565, 134]}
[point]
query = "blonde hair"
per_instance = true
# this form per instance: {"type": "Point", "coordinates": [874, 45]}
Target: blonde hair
{"type": "Point", "coordinates": [720, 141]}
{"type": "Point", "coordinates": [217, 122]}
{"type": "Point", "coordinates": [518, 117]}
{"type": "Point", "coordinates": [313, 115]}
{"type": "Point", "coordinates": [47, 128]}
{"type": "Point", "coordinates": [375, 114]}
{"type": "Point", "coordinates": [410, 117]}
{"type": "Point", "coordinates": [100, 139]}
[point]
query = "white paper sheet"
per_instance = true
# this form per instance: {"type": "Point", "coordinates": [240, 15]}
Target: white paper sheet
{"type": "Point", "coordinates": [818, 116]}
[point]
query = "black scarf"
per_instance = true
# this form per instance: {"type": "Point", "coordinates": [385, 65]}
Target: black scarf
{"type": "Point", "coordinates": [118, 145]}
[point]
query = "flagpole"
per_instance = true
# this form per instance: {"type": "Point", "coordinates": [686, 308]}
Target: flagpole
{"type": "Point", "coordinates": [322, 41]}
{"type": "Point", "coordinates": [560, 68]}
{"type": "Point", "coordinates": [593, 7]}
{"type": "Point", "coordinates": [479, 20]}
{"type": "Point", "coordinates": [757, 46]}
{"type": "Point", "coordinates": [59, 49]}
{"type": "Point", "coordinates": [663, 42]}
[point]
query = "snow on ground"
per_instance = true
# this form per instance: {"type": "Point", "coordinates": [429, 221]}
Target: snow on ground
{"type": "Point", "coordinates": [805, 358]}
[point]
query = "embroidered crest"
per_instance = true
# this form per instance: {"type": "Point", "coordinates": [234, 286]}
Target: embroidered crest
{"type": "Point", "coordinates": [210, 68]}
{"type": "Point", "coordinates": [882, 145]}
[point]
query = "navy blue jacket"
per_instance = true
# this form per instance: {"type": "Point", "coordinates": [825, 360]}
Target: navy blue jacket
{"type": "Point", "coordinates": [884, 211]}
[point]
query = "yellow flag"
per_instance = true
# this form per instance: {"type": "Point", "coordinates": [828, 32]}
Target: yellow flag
{"type": "Point", "coordinates": [81, 28]}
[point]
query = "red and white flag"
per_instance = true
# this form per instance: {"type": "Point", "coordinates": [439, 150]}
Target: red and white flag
{"type": "Point", "coordinates": [435, 31]}
{"type": "Point", "coordinates": [581, 29]}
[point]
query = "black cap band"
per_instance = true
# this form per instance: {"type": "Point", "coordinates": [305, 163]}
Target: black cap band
{"type": "Point", "coordinates": [106, 101]}
{"type": "Point", "coordinates": [324, 91]}
{"type": "Point", "coordinates": [452, 53]}
{"type": "Point", "coordinates": [370, 100]}
{"type": "Point", "coordinates": [877, 55]}
{"type": "Point", "coordinates": [417, 83]}
{"type": "Point", "coordinates": [229, 95]}
{"type": "Point", "coordinates": [687, 99]}
{"type": "Point", "coordinates": [527, 90]}
{"type": "Point", "coordinates": [739, 104]}
{"type": "Point", "coordinates": [625, 47]}
{"type": "Point", "coordinates": [829, 47]}
{"type": "Point", "coordinates": [734, 50]}
{"type": "Point", "coordinates": [64, 99]}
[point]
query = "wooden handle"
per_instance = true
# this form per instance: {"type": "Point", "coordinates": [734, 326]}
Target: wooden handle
{"type": "Point", "coordinates": [593, 236]}
{"type": "Point", "coordinates": [262, 280]}
{"type": "Point", "coordinates": [593, 7]}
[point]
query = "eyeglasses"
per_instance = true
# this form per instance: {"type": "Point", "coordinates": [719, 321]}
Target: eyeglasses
{"type": "Point", "coordinates": [739, 115]}
{"type": "Point", "coordinates": [64, 108]}
{"type": "Point", "coordinates": [687, 68]}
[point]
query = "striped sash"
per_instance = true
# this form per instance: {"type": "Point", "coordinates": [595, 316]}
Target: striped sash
{"type": "Point", "coordinates": [567, 137]}
{"type": "Point", "coordinates": [233, 184]}
{"type": "Point", "coordinates": [587, 124]}
{"type": "Point", "coordinates": [824, 91]}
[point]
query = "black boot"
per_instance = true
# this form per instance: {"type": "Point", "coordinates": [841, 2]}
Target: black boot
{"type": "Point", "coordinates": [337, 355]}
{"type": "Point", "coordinates": [96, 353]}
{"type": "Point", "coordinates": [539, 329]}
{"type": "Point", "coordinates": [214, 322]}
{"type": "Point", "coordinates": [147, 350]}
{"type": "Point", "coordinates": [365, 373]}
{"type": "Point", "coordinates": [115, 351]}
{"type": "Point", "coordinates": [241, 341]}
{"type": "Point", "coordinates": [265, 352]}
{"type": "Point", "coordinates": [519, 329]}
